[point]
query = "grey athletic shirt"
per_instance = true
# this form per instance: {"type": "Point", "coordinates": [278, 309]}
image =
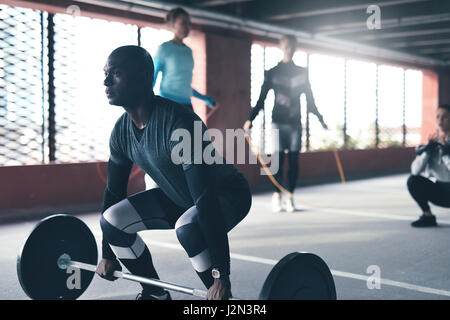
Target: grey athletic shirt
{"type": "Point", "coordinates": [154, 150]}
{"type": "Point", "coordinates": [179, 172]}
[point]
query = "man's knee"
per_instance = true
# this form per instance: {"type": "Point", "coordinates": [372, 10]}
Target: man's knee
{"type": "Point", "coordinates": [109, 231]}
{"type": "Point", "coordinates": [190, 237]}
{"type": "Point", "coordinates": [182, 235]}
{"type": "Point", "coordinates": [109, 215]}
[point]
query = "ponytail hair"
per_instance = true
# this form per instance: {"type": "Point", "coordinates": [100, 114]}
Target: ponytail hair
{"type": "Point", "coordinates": [173, 14]}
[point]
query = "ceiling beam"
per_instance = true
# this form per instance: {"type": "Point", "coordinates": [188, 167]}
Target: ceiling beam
{"type": "Point", "coordinates": [428, 51]}
{"type": "Point", "coordinates": [421, 43]}
{"type": "Point", "coordinates": [390, 43]}
{"type": "Point", "coordinates": [299, 12]}
{"type": "Point", "coordinates": [357, 27]}
{"type": "Point", "coordinates": [358, 19]}
{"type": "Point", "coordinates": [401, 34]}
{"type": "Point", "coordinates": [208, 18]}
{"type": "Point", "coordinates": [216, 3]}
{"type": "Point", "coordinates": [445, 57]}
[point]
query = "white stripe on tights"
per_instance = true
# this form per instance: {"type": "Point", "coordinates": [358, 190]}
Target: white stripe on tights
{"type": "Point", "coordinates": [132, 252]}
{"type": "Point", "coordinates": [124, 217]}
{"type": "Point", "coordinates": [187, 217]}
{"type": "Point", "coordinates": [202, 261]}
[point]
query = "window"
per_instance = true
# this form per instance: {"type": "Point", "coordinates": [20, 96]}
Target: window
{"type": "Point", "coordinates": [326, 75]}
{"type": "Point", "coordinates": [365, 105]}
{"type": "Point", "coordinates": [390, 106]}
{"type": "Point", "coordinates": [21, 87]}
{"type": "Point", "coordinates": [413, 106]}
{"type": "Point", "coordinates": [84, 119]}
{"type": "Point", "coordinates": [361, 96]}
{"type": "Point", "coordinates": [265, 58]}
{"type": "Point", "coordinates": [151, 38]}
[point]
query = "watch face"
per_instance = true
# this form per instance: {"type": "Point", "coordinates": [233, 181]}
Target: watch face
{"type": "Point", "coordinates": [215, 273]}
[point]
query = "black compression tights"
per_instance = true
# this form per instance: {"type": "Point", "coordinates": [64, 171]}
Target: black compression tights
{"type": "Point", "coordinates": [292, 174]}
{"type": "Point", "coordinates": [152, 209]}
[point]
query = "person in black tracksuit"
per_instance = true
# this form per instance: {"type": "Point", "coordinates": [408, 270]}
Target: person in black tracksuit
{"type": "Point", "coordinates": [288, 81]}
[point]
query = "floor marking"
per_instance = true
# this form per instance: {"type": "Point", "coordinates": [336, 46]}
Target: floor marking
{"type": "Point", "coordinates": [373, 214]}
{"type": "Point", "coordinates": [336, 273]}
{"type": "Point", "coordinates": [360, 213]}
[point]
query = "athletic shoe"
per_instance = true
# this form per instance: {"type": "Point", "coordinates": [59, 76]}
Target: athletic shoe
{"type": "Point", "coordinates": [425, 221]}
{"type": "Point", "coordinates": [276, 203]}
{"type": "Point", "coordinates": [146, 296]}
{"type": "Point", "coordinates": [289, 204]}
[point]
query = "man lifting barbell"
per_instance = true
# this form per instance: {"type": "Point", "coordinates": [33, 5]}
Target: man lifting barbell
{"type": "Point", "coordinates": [201, 202]}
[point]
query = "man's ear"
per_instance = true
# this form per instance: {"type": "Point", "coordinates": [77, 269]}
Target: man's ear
{"type": "Point", "coordinates": [141, 77]}
{"type": "Point", "coordinates": [145, 77]}
{"type": "Point", "coordinates": [149, 77]}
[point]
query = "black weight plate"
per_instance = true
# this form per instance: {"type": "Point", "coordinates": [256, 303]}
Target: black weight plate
{"type": "Point", "coordinates": [299, 276]}
{"type": "Point", "coordinates": [37, 269]}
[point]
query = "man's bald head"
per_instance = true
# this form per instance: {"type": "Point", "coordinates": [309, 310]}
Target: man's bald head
{"type": "Point", "coordinates": [134, 59]}
{"type": "Point", "coordinates": [128, 76]}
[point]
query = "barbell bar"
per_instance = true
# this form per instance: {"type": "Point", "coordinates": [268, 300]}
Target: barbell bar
{"type": "Point", "coordinates": [60, 242]}
{"type": "Point", "coordinates": [64, 261]}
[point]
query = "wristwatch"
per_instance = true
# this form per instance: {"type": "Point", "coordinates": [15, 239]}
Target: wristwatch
{"type": "Point", "coordinates": [215, 273]}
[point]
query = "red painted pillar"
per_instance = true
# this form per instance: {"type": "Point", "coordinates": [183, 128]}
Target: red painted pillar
{"type": "Point", "coordinates": [228, 81]}
{"type": "Point", "coordinates": [228, 63]}
{"type": "Point", "coordinates": [430, 97]}
{"type": "Point", "coordinates": [197, 42]}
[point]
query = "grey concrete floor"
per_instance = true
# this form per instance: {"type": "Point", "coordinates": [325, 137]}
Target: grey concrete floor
{"type": "Point", "coordinates": [352, 227]}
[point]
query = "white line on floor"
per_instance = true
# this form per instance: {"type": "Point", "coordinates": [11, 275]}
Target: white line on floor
{"type": "Point", "coordinates": [336, 273]}
{"type": "Point", "coordinates": [363, 213]}
{"type": "Point", "coordinates": [373, 214]}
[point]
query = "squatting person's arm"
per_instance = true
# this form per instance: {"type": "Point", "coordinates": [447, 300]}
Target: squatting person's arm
{"type": "Point", "coordinates": [419, 164]}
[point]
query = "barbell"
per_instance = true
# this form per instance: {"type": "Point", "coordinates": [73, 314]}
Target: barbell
{"type": "Point", "coordinates": [58, 261]}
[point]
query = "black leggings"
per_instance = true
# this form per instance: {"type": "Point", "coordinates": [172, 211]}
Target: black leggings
{"type": "Point", "coordinates": [289, 138]}
{"type": "Point", "coordinates": [292, 173]}
{"type": "Point", "coordinates": [424, 190]}
{"type": "Point", "coordinates": [152, 209]}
